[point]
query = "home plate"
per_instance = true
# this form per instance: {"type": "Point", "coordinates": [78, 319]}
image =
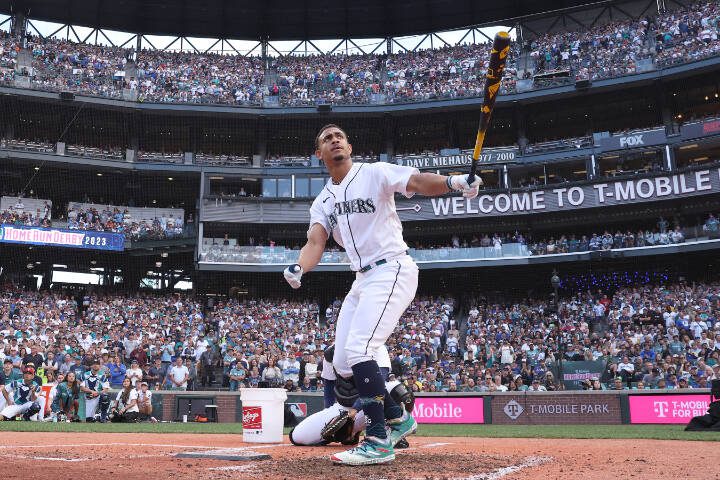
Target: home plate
{"type": "Point", "coordinates": [233, 454]}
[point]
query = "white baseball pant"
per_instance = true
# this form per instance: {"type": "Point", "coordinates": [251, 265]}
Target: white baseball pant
{"type": "Point", "coordinates": [308, 431]}
{"type": "Point", "coordinates": [91, 406]}
{"type": "Point", "coordinates": [11, 411]}
{"type": "Point", "coordinates": [42, 401]}
{"type": "Point", "coordinates": [382, 357]}
{"type": "Point", "coordinates": [372, 310]}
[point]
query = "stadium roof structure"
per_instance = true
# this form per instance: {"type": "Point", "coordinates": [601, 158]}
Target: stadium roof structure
{"type": "Point", "coordinates": [275, 20]}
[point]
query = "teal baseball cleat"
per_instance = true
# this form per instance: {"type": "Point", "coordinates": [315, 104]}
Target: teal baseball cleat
{"type": "Point", "coordinates": [401, 427]}
{"type": "Point", "coordinates": [371, 451]}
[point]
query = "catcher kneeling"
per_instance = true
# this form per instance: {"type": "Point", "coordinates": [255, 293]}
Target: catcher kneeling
{"type": "Point", "coordinates": [340, 421]}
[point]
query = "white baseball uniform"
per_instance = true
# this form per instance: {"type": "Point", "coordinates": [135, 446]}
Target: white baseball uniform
{"type": "Point", "coordinates": [22, 398]}
{"type": "Point", "coordinates": [308, 431]}
{"type": "Point", "coordinates": [96, 383]}
{"type": "Point", "coordinates": [360, 215]}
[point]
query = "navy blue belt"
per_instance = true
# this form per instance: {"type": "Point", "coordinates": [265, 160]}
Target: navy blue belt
{"type": "Point", "coordinates": [372, 265]}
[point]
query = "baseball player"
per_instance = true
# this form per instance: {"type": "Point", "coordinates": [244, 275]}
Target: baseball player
{"type": "Point", "coordinates": [357, 208]}
{"type": "Point", "coordinates": [21, 397]}
{"type": "Point", "coordinates": [339, 421]}
{"type": "Point", "coordinates": [96, 387]}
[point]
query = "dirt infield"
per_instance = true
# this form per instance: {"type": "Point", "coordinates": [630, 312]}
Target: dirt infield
{"type": "Point", "coordinates": [152, 456]}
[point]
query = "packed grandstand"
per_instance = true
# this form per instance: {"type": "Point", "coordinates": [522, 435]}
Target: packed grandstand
{"type": "Point", "coordinates": [614, 49]}
{"type": "Point", "coordinates": [185, 215]}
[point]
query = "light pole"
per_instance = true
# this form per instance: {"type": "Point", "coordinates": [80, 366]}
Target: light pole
{"type": "Point", "coordinates": [555, 282]}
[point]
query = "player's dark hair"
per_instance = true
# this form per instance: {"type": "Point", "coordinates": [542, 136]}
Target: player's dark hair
{"type": "Point", "coordinates": [125, 395]}
{"type": "Point", "coordinates": [75, 386]}
{"type": "Point", "coordinates": [329, 125]}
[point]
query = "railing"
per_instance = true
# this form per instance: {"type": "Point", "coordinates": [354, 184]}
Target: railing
{"type": "Point", "coordinates": [282, 255]}
{"type": "Point", "coordinates": [228, 160]}
{"type": "Point", "coordinates": [94, 152]}
{"type": "Point", "coordinates": [249, 255]}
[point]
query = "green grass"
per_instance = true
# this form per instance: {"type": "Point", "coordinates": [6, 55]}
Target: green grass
{"type": "Point", "coordinates": [658, 432]}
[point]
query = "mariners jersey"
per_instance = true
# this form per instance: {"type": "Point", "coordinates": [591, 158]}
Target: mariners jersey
{"type": "Point", "coordinates": [94, 382]}
{"type": "Point", "coordinates": [63, 390]}
{"type": "Point", "coordinates": [360, 213]}
{"type": "Point", "coordinates": [22, 393]}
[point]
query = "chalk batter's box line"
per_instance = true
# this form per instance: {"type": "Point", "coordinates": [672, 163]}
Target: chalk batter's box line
{"type": "Point", "coordinates": [229, 457]}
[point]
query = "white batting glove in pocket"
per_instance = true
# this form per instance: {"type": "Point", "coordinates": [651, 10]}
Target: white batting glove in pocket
{"type": "Point", "coordinates": [459, 183]}
{"type": "Point", "coordinates": [292, 274]}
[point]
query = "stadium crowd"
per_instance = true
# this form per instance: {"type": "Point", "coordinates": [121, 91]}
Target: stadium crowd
{"type": "Point", "coordinates": [568, 243]}
{"type": "Point", "coordinates": [617, 48]}
{"type": "Point", "coordinates": [27, 219]}
{"type": "Point", "coordinates": [252, 249]}
{"type": "Point", "coordinates": [118, 221]}
{"type": "Point", "coordinates": [62, 65]}
{"type": "Point", "coordinates": [8, 55]}
{"type": "Point", "coordinates": [645, 336]}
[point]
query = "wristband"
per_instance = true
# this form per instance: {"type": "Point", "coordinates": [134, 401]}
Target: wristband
{"type": "Point", "coordinates": [449, 183]}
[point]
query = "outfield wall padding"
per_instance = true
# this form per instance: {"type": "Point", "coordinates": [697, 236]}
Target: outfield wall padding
{"type": "Point", "coordinates": [500, 408]}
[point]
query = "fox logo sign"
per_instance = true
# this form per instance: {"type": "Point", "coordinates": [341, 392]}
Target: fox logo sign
{"type": "Point", "coordinates": [631, 141]}
{"type": "Point", "coordinates": [252, 418]}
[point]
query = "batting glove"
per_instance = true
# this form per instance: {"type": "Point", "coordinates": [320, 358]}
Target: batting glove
{"type": "Point", "coordinates": [459, 183]}
{"type": "Point", "coordinates": [292, 275]}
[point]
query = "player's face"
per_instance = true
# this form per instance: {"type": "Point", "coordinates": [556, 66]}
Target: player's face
{"type": "Point", "coordinates": [333, 146]}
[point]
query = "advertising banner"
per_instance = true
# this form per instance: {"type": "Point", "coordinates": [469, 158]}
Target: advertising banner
{"type": "Point", "coordinates": [558, 198]}
{"type": "Point", "coordinates": [667, 408]}
{"type": "Point", "coordinates": [488, 156]}
{"type": "Point", "coordinates": [555, 409]}
{"type": "Point", "coordinates": [700, 129]}
{"type": "Point", "coordinates": [574, 373]}
{"type": "Point", "coordinates": [59, 237]}
{"type": "Point", "coordinates": [562, 198]}
{"type": "Point", "coordinates": [633, 140]}
{"type": "Point", "coordinates": [449, 410]}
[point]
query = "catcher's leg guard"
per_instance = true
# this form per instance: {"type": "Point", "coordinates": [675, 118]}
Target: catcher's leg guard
{"type": "Point", "coordinates": [34, 408]}
{"type": "Point", "coordinates": [104, 406]}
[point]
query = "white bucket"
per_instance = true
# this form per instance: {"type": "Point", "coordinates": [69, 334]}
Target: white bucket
{"type": "Point", "coordinates": [263, 414]}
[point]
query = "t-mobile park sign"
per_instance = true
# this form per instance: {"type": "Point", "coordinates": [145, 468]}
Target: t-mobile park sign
{"type": "Point", "coordinates": [562, 198]}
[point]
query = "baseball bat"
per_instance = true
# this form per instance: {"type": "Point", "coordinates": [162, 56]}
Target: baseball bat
{"type": "Point", "coordinates": [498, 56]}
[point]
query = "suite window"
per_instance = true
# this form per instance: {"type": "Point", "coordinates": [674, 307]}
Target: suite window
{"type": "Point", "coordinates": [269, 187]}
{"type": "Point", "coordinates": [316, 186]}
{"type": "Point", "coordinates": [302, 187]}
{"type": "Point", "coordinates": [284, 187]}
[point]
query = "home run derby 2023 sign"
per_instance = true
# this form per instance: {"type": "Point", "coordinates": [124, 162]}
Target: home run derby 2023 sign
{"type": "Point", "coordinates": [58, 237]}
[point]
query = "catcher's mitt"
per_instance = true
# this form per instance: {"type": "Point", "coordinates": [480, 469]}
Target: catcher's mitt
{"type": "Point", "coordinates": [339, 428]}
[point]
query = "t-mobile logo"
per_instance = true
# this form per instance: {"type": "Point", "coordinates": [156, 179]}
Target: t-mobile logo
{"type": "Point", "coordinates": [661, 408]}
{"type": "Point", "coordinates": [513, 409]}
